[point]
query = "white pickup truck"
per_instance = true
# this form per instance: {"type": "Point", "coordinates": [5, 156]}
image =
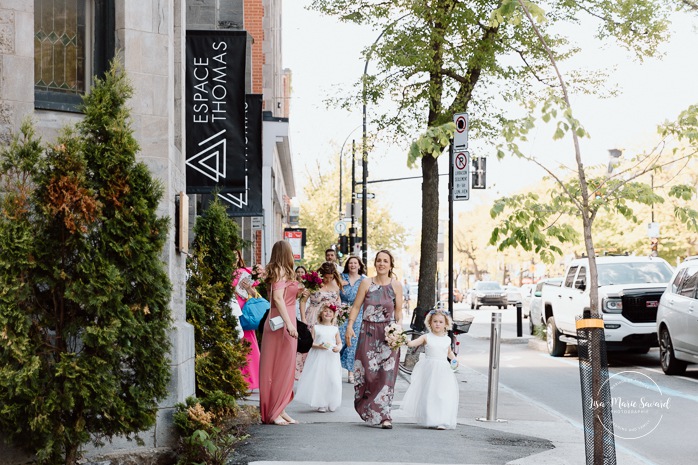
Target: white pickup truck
{"type": "Point", "coordinates": [629, 292]}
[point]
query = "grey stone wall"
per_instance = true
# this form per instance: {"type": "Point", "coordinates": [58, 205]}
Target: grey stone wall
{"type": "Point", "coordinates": [150, 34]}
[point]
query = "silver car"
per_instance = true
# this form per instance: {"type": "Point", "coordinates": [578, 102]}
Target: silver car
{"type": "Point", "coordinates": [677, 319]}
{"type": "Point", "coordinates": [487, 293]}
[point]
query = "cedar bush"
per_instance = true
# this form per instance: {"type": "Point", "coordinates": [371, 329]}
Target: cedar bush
{"type": "Point", "coordinates": [219, 353]}
{"type": "Point", "coordinates": [84, 293]}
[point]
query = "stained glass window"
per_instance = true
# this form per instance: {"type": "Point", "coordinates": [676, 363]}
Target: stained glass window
{"type": "Point", "coordinates": [59, 46]}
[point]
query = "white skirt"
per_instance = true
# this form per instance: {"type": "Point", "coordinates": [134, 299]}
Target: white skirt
{"type": "Point", "coordinates": [432, 398]}
{"type": "Point", "coordinates": [320, 384]}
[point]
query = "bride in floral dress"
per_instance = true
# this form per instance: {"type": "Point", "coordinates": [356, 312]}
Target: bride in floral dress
{"type": "Point", "coordinates": [327, 294]}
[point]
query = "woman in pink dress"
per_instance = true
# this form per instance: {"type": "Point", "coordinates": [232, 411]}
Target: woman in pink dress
{"type": "Point", "coordinates": [250, 372]}
{"type": "Point", "coordinates": [376, 364]}
{"type": "Point", "coordinates": [277, 364]}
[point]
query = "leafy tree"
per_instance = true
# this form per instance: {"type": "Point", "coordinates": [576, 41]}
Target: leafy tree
{"type": "Point", "coordinates": [84, 300]}
{"type": "Point", "coordinates": [319, 213]}
{"type": "Point", "coordinates": [438, 57]}
{"type": "Point", "coordinates": [219, 353]}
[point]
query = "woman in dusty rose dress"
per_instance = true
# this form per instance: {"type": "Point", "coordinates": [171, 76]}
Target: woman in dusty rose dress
{"type": "Point", "coordinates": [327, 294]}
{"type": "Point", "coordinates": [376, 364]}
{"type": "Point", "coordinates": [278, 355]}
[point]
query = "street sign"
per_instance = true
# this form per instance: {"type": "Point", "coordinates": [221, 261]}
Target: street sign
{"type": "Point", "coordinates": [461, 176]}
{"type": "Point", "coordinates": [652, 230]}
{"type": "Point", "coordinates": [460, 137]}
{"type": "Point", "coordinates": [257, 223]}
{"type": "Point", "coordinates": [340, 227]}
{"type": "Point", "coordinates": [369, 195]}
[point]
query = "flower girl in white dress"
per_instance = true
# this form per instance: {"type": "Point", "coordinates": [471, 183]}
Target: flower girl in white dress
{"type": "Point", "coordinates": [432, 397]}
{"type": "Point", "coordinates": [320, 384]}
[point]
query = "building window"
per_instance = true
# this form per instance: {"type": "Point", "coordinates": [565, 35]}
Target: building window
{"type": "Point", "coordinates": [73, 40]}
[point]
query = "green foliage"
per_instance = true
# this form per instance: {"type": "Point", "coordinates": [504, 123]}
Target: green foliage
{"type": "Point", "coordinates": [434, 59]}
{"type": "Point", "coordinates": [432, 143]}
{"type": "Point", "coordinates": [531, 225]}
{"type": "Point", "coordinates": [217, 231]}
{"type": "Point", "coordinates": [84, 294]}
{"type": "Point", "coordinates": [319, 213]}
{"type": "Point", "coordinates": [211, 427]}
{"type": "Point", "coordinates": [219, 353]}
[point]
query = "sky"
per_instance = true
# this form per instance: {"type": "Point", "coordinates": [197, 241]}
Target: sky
{"type": "Point", "coordinates": [324, 57]}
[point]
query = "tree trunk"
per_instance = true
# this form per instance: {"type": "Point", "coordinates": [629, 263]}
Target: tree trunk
{"type": "Point", "coordinates": [430, 231]}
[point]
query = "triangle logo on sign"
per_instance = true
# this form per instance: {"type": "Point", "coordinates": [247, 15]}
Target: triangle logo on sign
{"type": "Point", "coordinates": [211, 160]}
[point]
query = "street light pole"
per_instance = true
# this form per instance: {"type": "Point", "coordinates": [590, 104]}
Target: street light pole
{"type": "Point", "coordinates": [364, 149]}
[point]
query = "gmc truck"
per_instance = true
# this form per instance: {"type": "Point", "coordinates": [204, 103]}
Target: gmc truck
{"type": "Point", "coordinates": [629, 292]}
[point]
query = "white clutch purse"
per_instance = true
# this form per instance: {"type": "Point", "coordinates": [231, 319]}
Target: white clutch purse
{"type": "Point", "coordinates": [276, 323]}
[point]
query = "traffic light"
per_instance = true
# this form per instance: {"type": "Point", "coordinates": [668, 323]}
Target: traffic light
{"type": "Point", "coordinates": [344, 244]}
{"type": "Point", "coordinates": [479, 171]}
{"type": "Point", "coordinates": [654, 242]}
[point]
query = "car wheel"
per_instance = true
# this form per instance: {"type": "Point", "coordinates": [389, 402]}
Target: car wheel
{"type": "Point", "coordinates": [670, 364]}
{"type": "Point", "coordinates": [472, 304]}
{"type": "Point", "coordinates": [556, 347]}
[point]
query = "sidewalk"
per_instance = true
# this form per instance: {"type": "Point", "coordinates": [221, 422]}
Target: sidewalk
{"type": "Point", "coordinates": [531, 434]}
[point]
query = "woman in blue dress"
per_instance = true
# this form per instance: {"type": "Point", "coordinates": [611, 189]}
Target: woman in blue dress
{"type": "Point", "coordinates": [354, 273]}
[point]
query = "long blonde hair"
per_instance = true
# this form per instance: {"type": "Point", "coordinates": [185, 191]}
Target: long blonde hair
{"type": "Point", "coordinates": [280, 263]}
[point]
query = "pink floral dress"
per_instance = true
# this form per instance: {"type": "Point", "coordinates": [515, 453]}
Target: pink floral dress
{"type": "Point", "coordinates": [376, 364]}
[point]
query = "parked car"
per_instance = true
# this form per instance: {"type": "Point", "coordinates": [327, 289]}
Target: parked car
{"type": "Point", "coordinates": [526, 296]}
{"type": "Point", "coordinates": [488, 293]}
{"type": "Point", "coordinates": [457, 295]}
{"type": "Point", "coordinates": [677, 319]}
{"type": "Point", "coordinates": [628, 292]}
{"type": "Point", "coordinates": [535, 314]}
{"type": "Point", "coordinates": [513, 294]}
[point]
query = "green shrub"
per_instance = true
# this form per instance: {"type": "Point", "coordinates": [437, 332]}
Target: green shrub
{"type": "Point", "coordinates": [211, 428]}
{"type": "Point", "coordinates": [84, 294]}
{"type": "Point", "coordinates": [219, 353]}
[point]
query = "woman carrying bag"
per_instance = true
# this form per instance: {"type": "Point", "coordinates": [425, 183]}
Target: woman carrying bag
{"type": "Point", "coordinates": [277, 364]}
{"type": "Point", "coordinates": [243, 292]}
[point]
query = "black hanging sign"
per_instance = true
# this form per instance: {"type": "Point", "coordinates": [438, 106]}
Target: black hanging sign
{"type": "Point", "coordinates": [215, 111]}
{"type": "Point", "coordinates": [249, 203]}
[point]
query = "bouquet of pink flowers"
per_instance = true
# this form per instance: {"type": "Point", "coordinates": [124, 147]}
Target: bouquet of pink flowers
{"type": "Point", "coordinates": [342, 313]}
{"type": "Point", "coordinates": [395, 336]}
{"type": "Point", "coordinates": [312, 281]}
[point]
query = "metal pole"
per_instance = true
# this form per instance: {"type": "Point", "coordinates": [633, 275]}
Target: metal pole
{"type": "Point", "coordinates": [493, 381]}
{"type": "Point", "coordinates": [364, 149]}
{"type": "Point", "coordinates": [340, 185]}
{"type": "Point", "coordinates": [519, 319]}
{"type": "Point", "coordinates": [352, 229]}
{"type": "Point", "coordinates": [450, 228]}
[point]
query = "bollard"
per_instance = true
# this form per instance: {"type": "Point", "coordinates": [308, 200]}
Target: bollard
{"type": "Point", "coordinates": [493, 381]}
{"type": "Point", "coordinates": [519, 320]}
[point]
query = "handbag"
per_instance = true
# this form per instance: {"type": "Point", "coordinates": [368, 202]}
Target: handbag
{"type": "Point", "coordinates": [252, 312]}
{"type": "Point", "coordinates": [305, 338]}
{"type": "Point", "coordinates": [276, 323]}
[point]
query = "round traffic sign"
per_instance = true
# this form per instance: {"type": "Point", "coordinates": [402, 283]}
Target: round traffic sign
{"type": "Point", "coordinates": [461, 161]}
{"type": "Point", "coordinates": [340, 227]}
{"type": "Point", "coordinates": [461, 124]}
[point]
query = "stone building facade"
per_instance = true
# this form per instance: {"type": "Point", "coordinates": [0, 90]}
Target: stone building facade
{"type": "Point", "coordinates": [149, 36]}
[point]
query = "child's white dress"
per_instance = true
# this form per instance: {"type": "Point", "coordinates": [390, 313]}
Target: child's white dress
{"type": "Point", "coordinates": [432, 397]}
{"type": "Point", "coordinates": [320, 384]}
